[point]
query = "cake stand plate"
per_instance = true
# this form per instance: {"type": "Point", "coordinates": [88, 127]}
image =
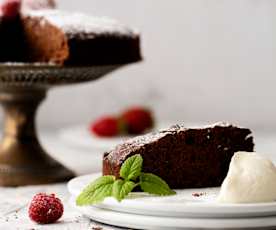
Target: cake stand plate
{"type": "Point", "coordinates": [184, 204]}
{"type": "Point", "coordinates": [23, 161]}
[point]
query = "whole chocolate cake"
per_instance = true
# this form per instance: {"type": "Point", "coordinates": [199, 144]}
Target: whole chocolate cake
{"type": "Point", "coordinates": [184, 157]}
{"type": "Point", "coordinates": [63, 38]}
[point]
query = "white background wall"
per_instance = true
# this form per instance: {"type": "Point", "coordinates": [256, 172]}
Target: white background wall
{"type": "Point", "coordinates": [205, 60]}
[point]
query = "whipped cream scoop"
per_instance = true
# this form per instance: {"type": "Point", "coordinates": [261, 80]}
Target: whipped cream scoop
{"type": "Point", "coordinates": [251, 179]}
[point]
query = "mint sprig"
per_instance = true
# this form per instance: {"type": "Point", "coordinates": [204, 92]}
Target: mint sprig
{"type": "Point", "coordinates": [96, 191]}
{"type": "Point", "coordinates": [153, 184]}
{"type": "Point", "coordinates": [132, 167]}
{"type": "Point", "coordinates": [130, 172]}
{"type": "Point", "coordinates": [122, 188]}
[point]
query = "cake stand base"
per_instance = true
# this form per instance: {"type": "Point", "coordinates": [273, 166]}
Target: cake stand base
{"type": "Point", "coordinates": [23, 86]}
{"type": "Point", "coordinates": [22, 159]}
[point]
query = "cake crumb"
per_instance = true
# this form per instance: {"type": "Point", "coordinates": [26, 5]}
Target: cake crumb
{"type": "Point", "coordinates": [97, 228]}
{"type": "Point", "coordinates": [196, 194]}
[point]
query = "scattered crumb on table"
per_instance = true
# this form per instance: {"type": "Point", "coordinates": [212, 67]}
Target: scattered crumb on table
{"type": "Point", "coordinates": [196, 194]}
{"type": "Point", "coordinates": [97, 228]}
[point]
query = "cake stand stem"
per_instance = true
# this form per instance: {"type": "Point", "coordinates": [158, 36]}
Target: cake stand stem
{"type": "Point", "coordinates": [22, 159]}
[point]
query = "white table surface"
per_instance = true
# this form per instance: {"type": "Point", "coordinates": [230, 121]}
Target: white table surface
{"type": "Point", "coordinates": [14, 204]}
{"type": "Point", "coordinates": [14, 201]}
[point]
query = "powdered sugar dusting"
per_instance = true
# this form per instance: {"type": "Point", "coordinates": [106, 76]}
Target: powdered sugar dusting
{"type": "Point", "coordinates": [146, 139]}
{"type": "Point", "coordinates": [135, 143]}
{"type": "Point", "coordinates": [182, 127]}
{"type": "Point", "coordinates": [78, 23]}
{"type": "Point", "coordinates": [38, 4]}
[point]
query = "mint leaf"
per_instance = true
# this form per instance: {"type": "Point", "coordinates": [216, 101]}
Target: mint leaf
{"type": "Point", "coordinates": [131, 168]}
{"type": "Point", "coordinates": [122, 188]}
{"type": "Point", "coordinates": [96, 191]}
{"type": "Point", "coordinates": [153, 184]}
{"type": "Point", "coordinates": [107, 186]}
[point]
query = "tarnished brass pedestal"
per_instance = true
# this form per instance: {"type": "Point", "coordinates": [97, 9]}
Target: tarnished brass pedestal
{"type": "Point", "coordinates": [22, 87]}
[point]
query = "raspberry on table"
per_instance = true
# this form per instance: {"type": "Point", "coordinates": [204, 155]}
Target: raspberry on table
{"type": "Point", "coordinates": [45, 209]}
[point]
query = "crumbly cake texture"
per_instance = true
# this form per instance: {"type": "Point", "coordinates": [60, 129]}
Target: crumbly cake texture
{"type": "Point", "coordinates": [184, 157]}
{"type": "Point", "coordinates": [65, 38]}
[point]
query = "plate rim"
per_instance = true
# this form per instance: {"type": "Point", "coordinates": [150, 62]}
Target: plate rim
{"type": "Point", "coordinates": [156, 222]}
{"type": "Point", "coordinates": [180, 209]}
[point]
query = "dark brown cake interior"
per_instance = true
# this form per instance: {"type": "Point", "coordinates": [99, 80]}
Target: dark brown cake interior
{"type": "Point", "coordinates": [185, 159]}
{"type": "Point", "coordinates": [103, 50]}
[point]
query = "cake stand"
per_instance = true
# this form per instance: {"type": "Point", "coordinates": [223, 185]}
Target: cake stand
{"type": "Point", "coordinates": [23, 87]}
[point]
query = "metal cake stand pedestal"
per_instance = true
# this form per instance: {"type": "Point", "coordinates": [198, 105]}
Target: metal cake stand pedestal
{"type": "Point", "coordinates": [23, 161]}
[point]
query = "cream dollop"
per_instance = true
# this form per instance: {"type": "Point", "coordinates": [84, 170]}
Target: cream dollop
{"type": "Point", "coordinates": [251, 179]}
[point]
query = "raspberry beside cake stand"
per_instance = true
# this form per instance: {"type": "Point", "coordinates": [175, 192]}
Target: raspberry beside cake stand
{"type": "Point", "coordinates": [23, 87]}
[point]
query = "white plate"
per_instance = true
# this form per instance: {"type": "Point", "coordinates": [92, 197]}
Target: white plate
{"type": "Point", "coordinates": [135, 221]}
{"type": "Point", "coordinates": [81, 161]}
{"type": "Point", "coordinates": [184, 204]}
{"type": "Point", "coordinates": [80, 136]}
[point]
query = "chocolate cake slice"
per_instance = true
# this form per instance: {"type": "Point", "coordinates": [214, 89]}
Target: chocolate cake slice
{"type": "Point", "coordinates": [184, 157]}
{"type": "Point", "coordinates": [64, 38]}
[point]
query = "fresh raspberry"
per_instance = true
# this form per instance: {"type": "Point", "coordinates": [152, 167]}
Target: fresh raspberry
{"type": "Point", "coordinates": [137, 120]}
{"type": "Point", "coordinates": [45, 209]}
{"type": "Point", "coordinates": [38, 4]}
{"type": "Point", "coordinates": [106, 127]}
{"type": "Point", "coordinates": [10, 8]}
